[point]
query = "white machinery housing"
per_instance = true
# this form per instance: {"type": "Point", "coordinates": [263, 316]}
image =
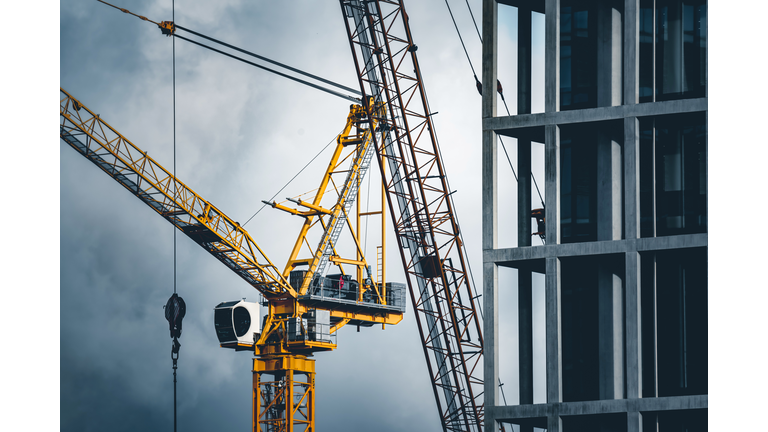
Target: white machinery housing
{"type": "Point", "coordinates": [237, 323]}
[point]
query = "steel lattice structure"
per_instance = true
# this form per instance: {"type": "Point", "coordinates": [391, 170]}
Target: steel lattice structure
{"type": "Point", "coordinates": [419, 199]}
{"type": "Point", "coordinates": [159, 189]}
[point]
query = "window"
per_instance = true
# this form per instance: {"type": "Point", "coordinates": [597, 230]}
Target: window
{"type": "Point", "coordinates": [578, 55]}
{"type": "Point", "coordinates": [578, 183]}
{"type": "Point", "coordinates": [242, 320]}
{"type": "Point", "coordinates": [674, 305]}
{"type": "Point", "coordinates": [673, 49]}
{"type": "Point", "coordinates": [673, 175]}
{"type": "Point", "coordinates": [579, 329]}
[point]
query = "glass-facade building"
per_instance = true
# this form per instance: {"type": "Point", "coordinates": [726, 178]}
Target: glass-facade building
{"type": "Point", "coordinates": [622, 269]}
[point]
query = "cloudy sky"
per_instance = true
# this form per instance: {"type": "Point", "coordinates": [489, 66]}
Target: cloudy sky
{"type": "Point", "coordinates": [99, 278]}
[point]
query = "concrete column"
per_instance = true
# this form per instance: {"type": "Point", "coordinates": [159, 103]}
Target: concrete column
{"type": "Point", "coordinates": [523, 192]}
{"type": "Point", "coordinates": [634, 330]}
{"type": "Point", "coordinates": [610, 311]}
{"type": "Point", "coordinates": [490, 175]}
{"type": "Point", "coordinates": [490, 343]}
{"type": "Point", "coordinates": [490, 61]}
{"type": "Point", "coordinates": [523, 60]}
{"type": "Point", "coordinates": [490, 191]}
{"type": "Point", "coordinates": [631, 51]}
{"type": "Point", "coordinates": [525, 280]}
{"type": "Point", "coordinates": [525, 334]}
{"type": "Point", "coordinates": [552, 56]}
{"type": "Point", "coordinates": [609, 187]}
{"type": "Point", "coordinates": [553, 331]}
{"type": "Point", "coordinates": [631, 178]}
{"type": "Point", "coordinates": [490, 216]}
{"type": "Point", "coordinates": [554, 422]}
{"type": "Point", "coordinates": [609, 64]}
{"type": "Point", "coordinates": [552, 187]}
{"type": "Point", "coordinates": [634, 422]}
{"type": "Point", "coordinates": [523, 145]}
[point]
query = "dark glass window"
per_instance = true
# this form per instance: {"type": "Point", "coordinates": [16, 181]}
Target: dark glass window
{"type": "Point", "coordinates": [242, 320]}
{"type": "Point", "coordinates": [646, 50]}
{"type": "Point", "coordinates": [602, 423]}
{"type": "Point", "coordinates": [681, 175]}
{"type": "Point", "coordinates": [222, 320]}
{"type": "Point", "coordinates": [580, 330]}
{"type": "Point", "coordinates": [678, 294]}
{"type": "Point", "coordinates": [673, 166]}
{"type": "Point", "coordinates": [578, 183]}
{"type": "Point", "coordinates": [646, 178]}
{"type": "Point", "coordinates": [673, 49]}
{"type": "Point", "coordinates": [694, 420]}
{"type": "Point", "coordinates": [578, 55]}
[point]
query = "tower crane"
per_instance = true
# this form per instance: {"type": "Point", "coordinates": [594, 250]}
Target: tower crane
{"type": "Point", "coordinates": [306, 306]}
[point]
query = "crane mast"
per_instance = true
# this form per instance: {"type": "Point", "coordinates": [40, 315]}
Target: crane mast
{"type": "Point", "coordinates": [420, 204]}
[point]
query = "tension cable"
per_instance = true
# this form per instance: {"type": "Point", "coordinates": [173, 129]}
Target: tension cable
{"type": "Point", "coordinates": [169, 28]}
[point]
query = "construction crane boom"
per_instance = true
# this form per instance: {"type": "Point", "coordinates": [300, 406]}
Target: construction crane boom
{"type": "Point", "coordinates": [425, 224]}
{"type": "Point", "coordinates": [130, 166]}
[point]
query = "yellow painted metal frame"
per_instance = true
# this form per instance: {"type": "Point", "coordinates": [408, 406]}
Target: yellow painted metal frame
{"type": "Point", "coordinates": [283, 403]}
{"type": "Point", "coordinates": [230, 243]}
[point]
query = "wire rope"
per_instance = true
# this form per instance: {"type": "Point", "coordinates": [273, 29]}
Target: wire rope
{"type": "Point", "coordinates": [474, 21]}
{"type": "Point", "coordinates": [477, 81]}
{"type": "Point", "coordinates": [291, 180]}
{"type": "Point", "coordinates": [307, 83]}
{"type": "Point", "coordinates": [299, 71]}
{"type": "Point", "coordinates": [176, 345]}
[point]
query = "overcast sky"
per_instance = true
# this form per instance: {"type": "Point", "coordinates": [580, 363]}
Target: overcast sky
{"type": "Point", "coordinates": [241, 134]}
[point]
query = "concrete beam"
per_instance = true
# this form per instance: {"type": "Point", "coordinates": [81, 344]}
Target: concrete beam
{"type": "Point", "coordinates": [502, 124]}
{"type": "Point", "coordinates": [534, 5]}
{"type": "Point", "coordinates": [508, 255]}
{"type": "Point", "coordinates": [511, 413]}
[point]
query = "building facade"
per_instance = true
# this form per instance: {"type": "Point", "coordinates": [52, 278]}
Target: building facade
{"type": "Point", "coordinates": [624, 260]}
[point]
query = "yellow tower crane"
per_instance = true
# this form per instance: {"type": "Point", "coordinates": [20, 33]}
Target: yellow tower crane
{"type": "Point", "coordinates": [306, 305]}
